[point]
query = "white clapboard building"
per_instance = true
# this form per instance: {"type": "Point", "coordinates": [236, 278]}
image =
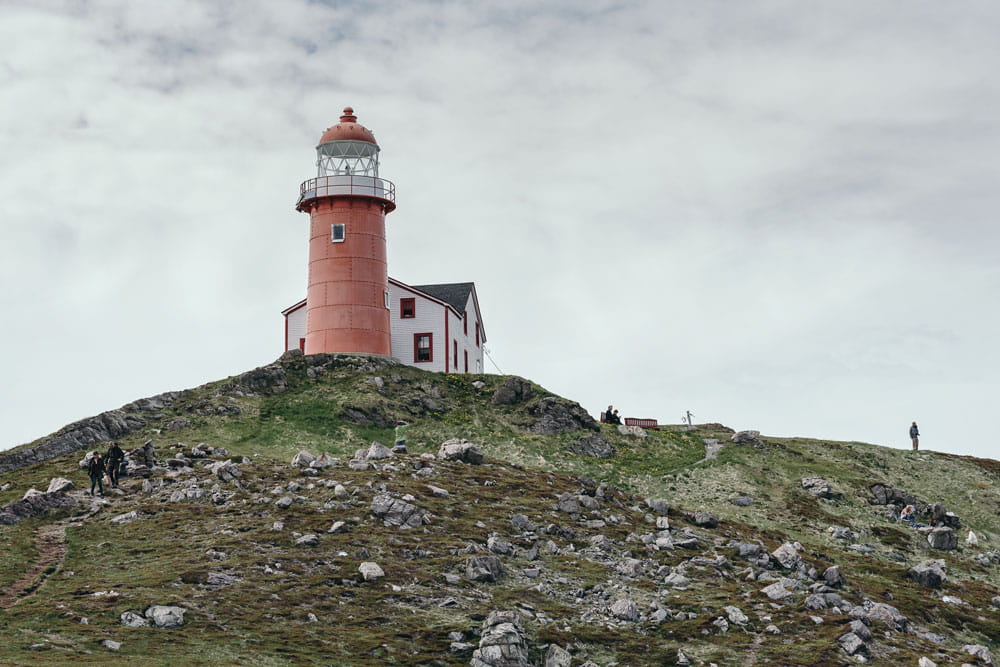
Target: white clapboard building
{"type": "Point", "coordinates": [434, 327]}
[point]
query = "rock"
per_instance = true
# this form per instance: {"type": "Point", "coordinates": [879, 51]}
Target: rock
{"type": "Point", "coordinates": [111, 645]}
{"type": "Point", "coordinates": [995, 601]}
{"type": "Point", "coordinates": [658, 505]}
{"type": "Point", "coordinates": [220, 579]}
{"type": "Point", "coordinates": [788, 555]}
{"type": "Point", "coordinates": [513, 390]}
{"type": "Point", "coordinates": [32, 493]}
{"type": "Point", "coordinates": [705, 519]}
{"type": "Point", "coordinates": [776, 591]}
{"type": "Point", "coordinates": [557, 656]}
{"type": "Point", "coordinates": [323, 461]}
{"type": "Point", "coordinates": [483, 568]}
{"type": "Point", "coordinates": [284, 502]}
{"type": "Point", "coordinates": [340, 491]}
{"type": "Point", "coordinates": [885, 614]}
{"type": "Point", "coordinates": [943, 538]}
{"type": "Point", "coordinates": [751, 438]}
{"type": "Point", "coordinates": [128, 517]}
{"type": "Point", "coordinates": [438, 491]}
{"type": "Point", "coordinates": [980, 652]}
{"type": "Point", "coordinates": [370, 571]}
{"type": "Point", "coordinates": [624, 609]}
{"type": "Point", "coordinates": [861, 630]}
{"type": "Point", "coordinates": [851, 643]}
{"type": "Point", "coordinates": [130, 619]}
{"type": "Point", "coordinates": [377, 452]}
{"type": "Point", "coordinates": [840, 533]}
{"type": "Point", "coordinates": [502, 643]}
{"type": "Point", "coordinates": [165, 616]}
{"type": "Point", "coordinates": [309, 540]}
{"type": "Point", "coordinates": [926, 662]}
{"type": "Point", "coordinates": [742, 501]}
{"type": "Point", "coordinates": [736, 615]}
{"type": "Point", "coordinates": [930, 574]}
{"type": "Point", "coordinates": [676, 580]}
{"type": "Point", "coordinates": [458, 449]}
{"type": "Point", "coordinates": [557, 415]}
{"type": "Point", "coordinates": [883, 494]}
{"type": "Point", "coordinates": [34, 505]}
{"type": "Point", "coordinates": [337, 527]}
{"type": "Point", "coordinates": [818, 487]}
{"type": "Point", "coordinates": [60, 485]}
{"type": "Point", "coordinates": [635, 431]}
{"type": "Point", "coordinates": [396, 512]}
{"type": "Point", "coordinates": [303, 459]}
{"type": "Point", "coordinates": [833, 578]}
{"type": "Point", "coordinates": [499, 546]}
{"type": "Point", "coordinates": [683, 659]}
{"type": "Point", "coordinates": [226, 471]}
{"type": "Point", "coordinates": [592, 445]}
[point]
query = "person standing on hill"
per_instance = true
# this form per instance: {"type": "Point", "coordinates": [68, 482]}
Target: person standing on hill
{"type": "Point", "coordinates": [915, 436]}
{"type": "Point", "coordinates": [401, 427]}
{"type": "Point", "coordinates": [95, 468]}
{"type": "Point", "coordinates": [114, 458]}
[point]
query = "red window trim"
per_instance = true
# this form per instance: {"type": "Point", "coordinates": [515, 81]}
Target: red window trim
{"type": "Point", "coordinates": [430, 349]}
{"type": "Point", "coordinates": [454, 349]}
{"type": "Point", "coordinates": [466, 360]}
{"type": "Point", "coordinates": [477, 334]}
{"type": "Point", "coordinates": [402, 308]}
{"type": "Point", "coordinates": [302, 345]}
{"type": "Point", "coordinates": [465, 322]}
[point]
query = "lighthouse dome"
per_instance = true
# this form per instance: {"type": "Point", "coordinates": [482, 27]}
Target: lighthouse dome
{"type": "Point", "coordinates": [348, 129]}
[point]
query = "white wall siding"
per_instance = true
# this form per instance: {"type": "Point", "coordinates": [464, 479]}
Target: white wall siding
{"type": "Point", "coordinates": [296, 322]}
{"type": "Point", "coordinates": [428, 318]}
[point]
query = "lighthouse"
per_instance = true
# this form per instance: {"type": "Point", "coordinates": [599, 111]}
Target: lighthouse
{"type": "Point", "coordinates": [347, 301]}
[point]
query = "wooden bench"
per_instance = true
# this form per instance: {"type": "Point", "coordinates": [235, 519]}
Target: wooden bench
{"type": "Point", "coordinates": [642, 423]}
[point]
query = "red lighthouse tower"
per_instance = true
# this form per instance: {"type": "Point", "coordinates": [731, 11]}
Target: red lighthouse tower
{"type": "Point", "coordinates": [348, 297]}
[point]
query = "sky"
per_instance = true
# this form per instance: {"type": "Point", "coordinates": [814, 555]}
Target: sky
{"type": "Point", "coordinates": [779, 215]}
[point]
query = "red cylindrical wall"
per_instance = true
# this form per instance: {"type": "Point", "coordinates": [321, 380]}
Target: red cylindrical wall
{"type": "Point", "coordinates": [348, 280]}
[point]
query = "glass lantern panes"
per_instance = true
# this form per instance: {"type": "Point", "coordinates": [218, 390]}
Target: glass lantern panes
{"type": "Point", "coordinates": [347, 158]}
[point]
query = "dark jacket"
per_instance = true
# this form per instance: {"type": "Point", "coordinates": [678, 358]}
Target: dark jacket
{"type": "Point", "coordinates": [95, 468]}
{"type": "Point", "coordinates": [115, 454]}
{"type": "Point", "coordinates": [914, 432]}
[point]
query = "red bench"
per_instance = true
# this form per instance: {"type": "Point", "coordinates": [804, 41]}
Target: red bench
{"type": "Point", "coordinates": [642, 423]}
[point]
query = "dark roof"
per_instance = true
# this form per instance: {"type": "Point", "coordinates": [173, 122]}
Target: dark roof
{"type": "Point", "coordinates": [454, 294]}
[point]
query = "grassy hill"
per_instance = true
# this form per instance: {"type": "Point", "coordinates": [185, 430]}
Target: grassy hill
{"type": "Point", "coordinates": [254, 595]}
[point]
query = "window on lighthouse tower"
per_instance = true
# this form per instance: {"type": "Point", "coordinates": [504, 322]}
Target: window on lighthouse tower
{"type": "Point", "coordinates": [337, 233]}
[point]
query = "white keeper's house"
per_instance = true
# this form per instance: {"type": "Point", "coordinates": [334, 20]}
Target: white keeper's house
{"type": "Point", "coordinates": [434, 327]}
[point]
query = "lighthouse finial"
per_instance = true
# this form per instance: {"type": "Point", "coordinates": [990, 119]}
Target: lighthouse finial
{"type": "Point", "coordinates": [348, 116]}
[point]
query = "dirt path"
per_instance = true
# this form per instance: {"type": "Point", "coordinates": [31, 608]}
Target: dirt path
{"type": "Point", "coordinates": [51, 543]}
{"type": "Point", "coordinates": [712, 449]}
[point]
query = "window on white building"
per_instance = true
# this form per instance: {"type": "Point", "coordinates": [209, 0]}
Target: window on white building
{"type": "Point", "coordinates": [423, 349]}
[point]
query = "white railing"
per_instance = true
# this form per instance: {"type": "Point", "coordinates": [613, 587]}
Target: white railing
{"type": "Point", "coordinates": [360, 186]}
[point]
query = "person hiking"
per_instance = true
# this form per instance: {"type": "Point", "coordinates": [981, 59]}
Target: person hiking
{"type": "Point", "coordinates": [114, 460]}
{"type": "Point", "coordinates": [95, 468]}
{"type": "Point", "coordinates": [915, 436]}
{"type": "Point", "coordinates": [401, 427]}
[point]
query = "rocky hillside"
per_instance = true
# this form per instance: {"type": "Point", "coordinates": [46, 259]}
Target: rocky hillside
{"type": "Point", "coordinates": [261, 523]}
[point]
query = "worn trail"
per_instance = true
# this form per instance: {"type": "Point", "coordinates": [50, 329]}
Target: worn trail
{"type": "Point", "coordinates": [51, 543]}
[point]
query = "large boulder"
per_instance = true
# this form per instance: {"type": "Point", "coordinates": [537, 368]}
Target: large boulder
{"type": "Point", "coordinates": [750, 438]}
{"type": "Point", "coordinates": [943, 538]}
{"type": "Point", "coordinates": [502, 642]}
{"type": "Point", "coordinates": [165, 616]}
{"type": "Point", "coordinates": [883, 494]}
{"type": "Point", "coordinates": [34, 505]}
{"type": "Point", "coordinates": [818, 487]}
{"type": "Point", "coordinates": [303, 459]}
{"type": "Point", "coordinates": [513, 390]}
{"type": "Point", "coordinates": [396, 512]}
{"type": "Point", "coordinates": [227, 471]}
{"type": "Point", "coordinates": [557, 415]}
{"type": "Point", "coordinates": [59, 485]}
{"type": "Point", "coordinates": [458, 449]}
{"type": "Point", "coordinates": [930, 574]}
{"type": "Point", "coordinates": [592, 445]}
{"type": "Point", "coordinates": [788, 555]}
{"type": "Point", "coordinates": [483, 568]}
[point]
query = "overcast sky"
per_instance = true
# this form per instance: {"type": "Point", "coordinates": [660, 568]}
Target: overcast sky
{"type": "Point", "coordinates": [778, 215]}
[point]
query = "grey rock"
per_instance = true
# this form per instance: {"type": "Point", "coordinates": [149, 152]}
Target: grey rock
{"type": "Point", "coordinates": [35, 505]}
{"type": "Point", "coordinates": [303, 459]}
{"type": "Point", "coordinates": [502, 642]}
{"type": "Point", "coordinates": [127, 517]}
{"type": "Point", "coordinates": [658, 505]}
{"type": "Point", "coordinates": [522, 523]}
{"type": "Point", "coordinates": [512, 391]}
{"type": "Point", "coordinates": [788, 555]}
{"type": "Point", "coordinates": [883, 494]}
{"type": "Point", "coordinates": [840, 533]}
{"type": "Point", "coordinates": [309, 540]}
{"type": "Point", "coordinates": [377, 452]}
{"type": "Point", "coordinates": [705, 519]}
{"type": "Point", "coordinates": [818, 487]}
{"type": "Point", "coordinates": [624, 609]}
{"type": "Point", "coordinates": [396, 512]}
{"type": "Point", "coordinates": [926, 662]}
{"type": "Point", "coordinates": [438, 491]}
{"type": "Point", "coordinates": [130, 619]}
{"type": "Point", "coordinates": [592, 445]}
{"type": "Point", "coordinates": [832, 577]}
{"type": "Point", "coordinates": [930, 574]}
{"type": "Point", "coordinates": [943, 538]}
{"type": "Point", "coordinates": [557, 656]}
{"type": "Point", "coordinates": [458, 449]}
{"type": "Point", "coordinates": [226, 471]}
{"type": "Point", "coordinates": [995, 601]}
{"type": "Point", "coordinates": [736, 615]}
{"type": "Point", "coordinates": [742, 501]}
{"type": "Point", "coordinates": [59, 485]}
{"type": "Point", "coordinates": [220, 579]}
{"type": "Point", "coordinates": [886, 614]}
{"type": "Point", "coordinates": [750, 438]}
{"type": "Point", "coordinates": [111, 645]}
{"type": "Point", "coordinates": [979, 651]}
{"type": "Point", "coordinates": [370, 571]}
{"type": "Point", "coordinates": [284, 502]}
{"type": "Point", "coordinates": [557, 415]}
{"type": "Point", "coordinates": [166, 616]}
{"type": "Point", "coordinates": [776, 591]}
{"type": "Point", "coordinates": [483, 568]}
{"type": "Point", "coordinates": [851, 643]}
{"type": "Point", "coordinates": [861, 630]}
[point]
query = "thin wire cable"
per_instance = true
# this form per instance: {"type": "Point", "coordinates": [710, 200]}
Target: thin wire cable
{"type": "Point", "coordinates": [490, 357]}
